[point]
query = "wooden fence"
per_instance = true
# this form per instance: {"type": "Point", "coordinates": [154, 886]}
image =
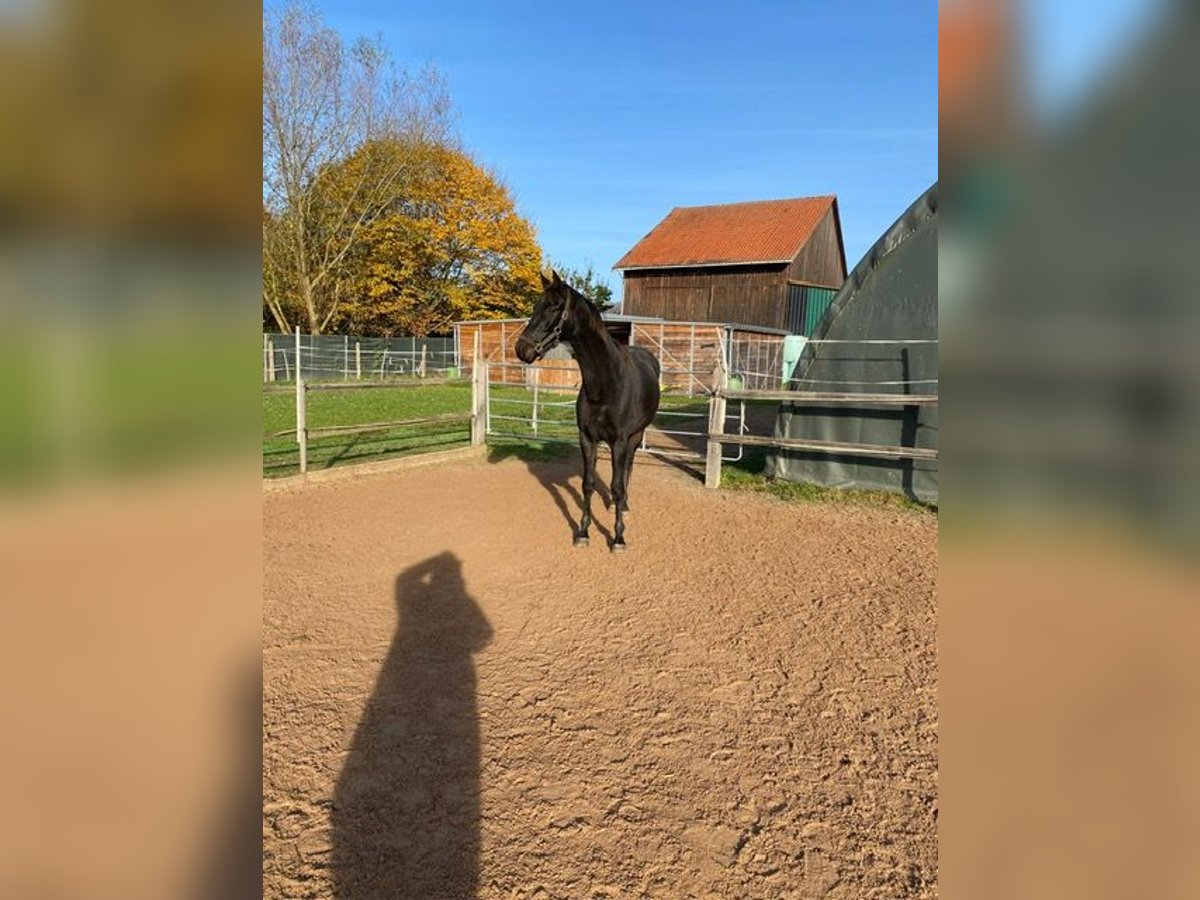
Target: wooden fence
{"type": "Point", "coordinates": [717, 436]}
{"type": "Point", "coordinates": [303, 387]}
{"type": "Point", "coordinates": [719, 393]}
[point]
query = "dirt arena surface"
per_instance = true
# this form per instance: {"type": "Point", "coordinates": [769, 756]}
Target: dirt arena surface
{"type": "Point", "coordinates": [459, 704]}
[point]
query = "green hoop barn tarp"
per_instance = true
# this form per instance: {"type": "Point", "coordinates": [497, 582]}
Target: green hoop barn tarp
{"type": "Point", "coordinates": [890, 295]}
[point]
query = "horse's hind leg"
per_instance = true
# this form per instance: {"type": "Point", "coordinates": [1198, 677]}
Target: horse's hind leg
{"type": "Point", "coordinates": [588, 449]}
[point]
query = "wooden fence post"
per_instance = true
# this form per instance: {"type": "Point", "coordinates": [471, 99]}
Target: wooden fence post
{"type": "Point", "coordinates": [301, 409]}
{"type": "Point", "coordinates": [358, 360]}
{"type": "Point", "coordinates": [271, 359]}
{"type": "Point", "coordinates": [478, 393]}
{"type": "Point", "coordinates": [423, 346]}
{"type": "Point", "coordinates": [716, 428]}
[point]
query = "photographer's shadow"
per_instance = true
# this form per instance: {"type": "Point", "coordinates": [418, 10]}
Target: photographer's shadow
{"type": "Point", "coordinates": [406, 805]}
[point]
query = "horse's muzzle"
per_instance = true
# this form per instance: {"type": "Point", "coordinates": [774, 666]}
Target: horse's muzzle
{"type": "Point", "coordinates": [526, 351]}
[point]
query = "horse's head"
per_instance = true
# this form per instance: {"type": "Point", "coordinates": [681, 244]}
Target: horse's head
{"type": "Point", "coordinates": [552, 321]}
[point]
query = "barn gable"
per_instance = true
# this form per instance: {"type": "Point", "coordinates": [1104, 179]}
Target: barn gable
{"type": "Point", "coordinates": [746, 263]}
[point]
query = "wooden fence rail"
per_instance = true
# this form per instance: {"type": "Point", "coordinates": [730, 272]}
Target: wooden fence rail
{"type": "Point", "coordinates": [822, 398]}
{"type": "Point", "coordinates": [717, 436]}
{"type": "Point", "coordinates": [835, 447]}
{"type": "Point", "coordinates": [360, 386]}
{"type": "Point", "coordinates": [387, 426]}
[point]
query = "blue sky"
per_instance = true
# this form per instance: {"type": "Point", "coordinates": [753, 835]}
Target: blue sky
{"type": "Point", "coordinates": [602, 117]}
{"type": "Point", "coordinates": [1070, 44]}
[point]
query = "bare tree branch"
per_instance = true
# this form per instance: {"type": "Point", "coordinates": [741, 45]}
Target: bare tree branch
{"type": "Point", "coordinates": [324, 102]}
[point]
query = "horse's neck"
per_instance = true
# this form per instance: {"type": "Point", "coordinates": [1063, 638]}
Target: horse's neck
{"type": "Point", "coordinates": [596, 353]}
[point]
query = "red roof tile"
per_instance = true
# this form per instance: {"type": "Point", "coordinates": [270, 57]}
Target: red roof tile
{"type": "Point", "coordinates": [764, 231]}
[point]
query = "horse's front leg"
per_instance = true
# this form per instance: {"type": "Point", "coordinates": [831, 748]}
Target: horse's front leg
{"type": "Point", "coordinates": [634, 443]}
{"type": "Point", "coordinates": [622, 450]}
{"type": "Point", "coordinates": [588, 449]}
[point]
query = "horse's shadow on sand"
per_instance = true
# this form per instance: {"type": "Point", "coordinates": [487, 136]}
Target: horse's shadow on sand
{"type": "Point", "coordinates": [555, 472]}
{"type": "Point", "coordinates": [555, 476]}
{"type": "Point", "coordinates": [561, 476]}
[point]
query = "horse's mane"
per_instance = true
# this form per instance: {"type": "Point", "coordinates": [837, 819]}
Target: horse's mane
{"type": "Point", "coordinates": [585, 298]}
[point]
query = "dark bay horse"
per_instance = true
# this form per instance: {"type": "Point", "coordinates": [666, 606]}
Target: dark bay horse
{"type": "Point", "coordinates": [620, 389]}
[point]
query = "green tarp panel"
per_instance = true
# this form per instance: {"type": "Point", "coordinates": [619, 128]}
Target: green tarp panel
{"type": "Point", "coordinates": [806, 307]}
{"type": "Point", "coordinates": [818, 303]}
{"type": "Point", "coordinates": [890, 295]}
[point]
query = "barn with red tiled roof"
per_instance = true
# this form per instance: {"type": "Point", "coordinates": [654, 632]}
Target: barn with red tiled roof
{"type": "Point", "coordinates": [772, 263]}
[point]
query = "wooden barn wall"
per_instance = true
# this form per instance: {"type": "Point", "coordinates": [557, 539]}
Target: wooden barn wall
{"type": "Point", "coordinates": [819, 262]}
{"type": "Point", "coordinates": [744, 295]}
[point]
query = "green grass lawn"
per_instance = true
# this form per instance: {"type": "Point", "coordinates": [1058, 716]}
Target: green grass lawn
{"type": "Point", "coordinates": [556, 422]}
{"type": "Point", "coordinates": [556, 413]}
{"type": "Point", "coordinates": [747, 475]}
{"type": "Point", "coordinates": [281, 456]}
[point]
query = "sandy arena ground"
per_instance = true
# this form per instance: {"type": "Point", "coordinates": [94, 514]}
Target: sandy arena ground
{"type": "Point", "coordinates": [460, 704]}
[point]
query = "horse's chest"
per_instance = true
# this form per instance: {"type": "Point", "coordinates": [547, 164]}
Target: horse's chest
{"type": "Point", "coordinates": [601, 422]}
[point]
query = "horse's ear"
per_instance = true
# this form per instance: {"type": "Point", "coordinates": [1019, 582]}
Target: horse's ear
{"type": "Point", "coordinates": [554, 279]}
{"type": "Point", "coordinates": [546, 282]}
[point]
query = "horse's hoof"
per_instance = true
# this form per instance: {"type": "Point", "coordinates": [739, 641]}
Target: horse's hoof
{"type": "Point", "coordinates": [619, 548]}
{"type": "Point", "coordinates": [581, 542]}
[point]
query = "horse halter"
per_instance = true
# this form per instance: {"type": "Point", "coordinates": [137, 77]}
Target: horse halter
{"type": "Point", "coordinates": [551, 339]}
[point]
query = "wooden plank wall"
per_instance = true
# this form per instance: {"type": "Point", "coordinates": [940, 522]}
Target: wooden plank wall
{"type": "Point", "coordinates": [744, 294]}
{"type": "Point", "coordinates": [687, 353]}
{"type": "Point", "coordinates": [499, 346]}
{"type": "Point", "coordinates": [742, 304]}
{"type": "Point", "coordinates": [819, 262]}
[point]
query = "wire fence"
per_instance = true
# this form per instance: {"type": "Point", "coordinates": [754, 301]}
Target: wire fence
{"type": "Point", "coordinates": [339, 357]}
{"type": "Point", "coordinates": [878, 362]}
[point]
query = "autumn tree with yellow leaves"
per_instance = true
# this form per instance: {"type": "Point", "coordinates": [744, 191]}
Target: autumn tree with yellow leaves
{"type": "Point", "coordinates": [324, 101]}
{"type": "Point", "coordinates": [373, 220]}
{"type": "Point", "coordinates": [450, 246]}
